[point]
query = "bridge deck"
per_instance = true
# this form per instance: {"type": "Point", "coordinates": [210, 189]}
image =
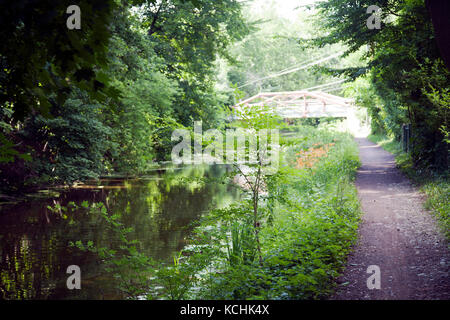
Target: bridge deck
{"type": "Point", "coordinates": [300, 104]}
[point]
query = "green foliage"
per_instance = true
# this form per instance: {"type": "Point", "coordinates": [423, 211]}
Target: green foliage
{"type": "Point", "coordinates": [74, 139]}
{"type": "Point", "coordinates": [106, 98]}
{"type": "Point", "coordinates": [365, 95]}
{"type": "Point", "coordinates": [253, 119]}
{"type": "Point", "coordinates": [146, 104]}
{"type": "Point", "coordinates": [242, 249]}
{"type": "Point", "coordinates": [438, 200]}
{"type": "Point", "coordinates": [272, 48]}
{"type": "Point", "coordinates": [403, 64]}
{"type": "Point", "coordinates": [42, 60]}
{"type": "Point", "coordinates": [130, 269]}
{"type": "Point", "coordinates": [305, 240]}
{"type": "Point", "coordinates": [8, 153]}
{"type": "Point", "coordinates": [441, 98]}
{"type": "Point", "coordinates": [308, 221]}
{"type": "Point", "coordinates": [190, 40]}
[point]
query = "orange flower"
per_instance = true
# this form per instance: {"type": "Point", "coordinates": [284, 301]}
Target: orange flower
{"type": "Point", "coordinates": [308, 158]}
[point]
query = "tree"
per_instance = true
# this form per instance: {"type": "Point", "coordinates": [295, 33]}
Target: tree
{"type": "Point", "coordinates": [106, 98]}
{"type": "Point", "coordinates": [190, 38]}
{"type": "Point", "coordinates": [41, 59]}
{"type": "Point", "coordinates": [273, 47]}
{"type": "Point", "coordinates": [266, 159]}
{"type": "Point", "coordinates": [440, 11]}
{"type": "Point", "coordinates": [397, 53]}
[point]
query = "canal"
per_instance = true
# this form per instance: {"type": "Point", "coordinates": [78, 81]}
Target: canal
{"type": "Point", "coordinates": [36, 240]}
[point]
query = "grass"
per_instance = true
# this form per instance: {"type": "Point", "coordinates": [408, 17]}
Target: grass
{"type": "Point", "coordinates": [308, 220]}
{"type": "Point", "coordinates": [435, 186]}
{"type": "Point", "coordinates": [312, 214]}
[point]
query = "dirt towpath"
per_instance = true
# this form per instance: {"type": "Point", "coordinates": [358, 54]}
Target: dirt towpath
{"type": "Point", "coordinates": [397, 234]}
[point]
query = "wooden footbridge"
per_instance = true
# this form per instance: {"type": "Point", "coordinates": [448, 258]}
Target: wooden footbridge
{"type": "Point", "coordinates": [301, 104]}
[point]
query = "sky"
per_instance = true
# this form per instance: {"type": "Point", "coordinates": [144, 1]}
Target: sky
{"type": "Point", "coordinates": [286, 8]}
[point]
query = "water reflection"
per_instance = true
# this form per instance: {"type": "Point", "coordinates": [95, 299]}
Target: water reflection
{"type": "Point", "coordinates": [34, 241]}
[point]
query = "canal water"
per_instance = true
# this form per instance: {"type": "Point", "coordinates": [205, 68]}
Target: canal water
{"type": "Point", "coordinates": [161, 208]}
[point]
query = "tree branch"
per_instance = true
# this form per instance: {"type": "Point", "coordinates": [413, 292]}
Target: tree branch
{"type": "Point", "coordinates": [152, 28]}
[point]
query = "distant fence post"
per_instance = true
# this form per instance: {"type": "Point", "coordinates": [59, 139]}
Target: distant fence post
{"type": "Point", "coordinates": [406, 137]}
